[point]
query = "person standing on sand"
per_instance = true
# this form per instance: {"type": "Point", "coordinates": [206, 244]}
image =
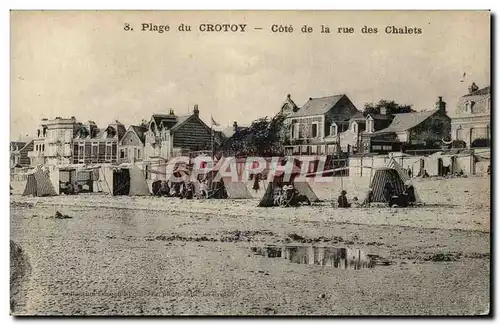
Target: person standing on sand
{"type": "Point", "coordinates": [342, 200]}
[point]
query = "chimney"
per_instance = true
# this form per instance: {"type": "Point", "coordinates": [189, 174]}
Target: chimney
{"type": "Point", "coordinates": [473, 88]}
{"type": "Point", "coordinates": [383, 110]}
{"type": "Point", "coordinates": [288, 96]}
{"type": "Point", "coordinates": [441, 105]}
{"type": "Point", "coordinates": [235, 126]}
{"type": "Point", "coordinates": [172, 112]}
{"type": "Point", "coordinates": [196, 111]}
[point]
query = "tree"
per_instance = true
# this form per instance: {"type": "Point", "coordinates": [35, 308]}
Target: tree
{"type": "Point", "coordinates": [264, 137]}
{"type": "Point", "coordinates": [144, 123]}
{"type": "Point", "coordinates": [391, 107]}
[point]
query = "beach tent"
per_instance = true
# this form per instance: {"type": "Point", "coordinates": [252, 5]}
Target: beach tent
{"type": "Point", "coordinates": [224, 187]}
{"type": "Point", "coordinates": [382, 176]}
{"type": "Point", "coordinates": [403, 175]}
{"type": "Point", "coordinates": [129, 180]}
{"type": "Point", "coordinates": [302, 187]}
{"type": "Point", "coordinates": [138, 184]}
{"type": "Point", "coordinates": [39, 184]}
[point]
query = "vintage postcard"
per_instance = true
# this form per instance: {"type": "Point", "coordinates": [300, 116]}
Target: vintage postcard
{"type": "Point", "coordinates": [328, 163]}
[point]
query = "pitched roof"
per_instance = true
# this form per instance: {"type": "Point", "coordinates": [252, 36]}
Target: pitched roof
{"type": "Point", "coordinates": [405, 121]}
{"type": "Point", "coordinates": [381, 116]}
{"type": "Point", "coordinates": [480, 92]}
{"type": "Point", "coordinates": [139, 130]}
{"type": "Point", "coordinates": [318, 106]}
{"type": "Point", "coordinates": [180, 121]}
{"type": "Point", "coordinates": [168, 119]}
{"type": "Point", "coordinates": [289, 103]}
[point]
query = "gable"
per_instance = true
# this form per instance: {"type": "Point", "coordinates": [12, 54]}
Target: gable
{"type": "Point", "coordinates": [130, 139]}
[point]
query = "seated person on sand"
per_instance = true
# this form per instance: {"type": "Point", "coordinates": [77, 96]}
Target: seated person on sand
{"type": "Point", "coordinates": [388, 193]}
{"type": "Point", "coordinates": [355, 203]}
{"type": "Point", "coordinates": [342, 200]}
{"type": "Point", "coordinates": [189, 190]}
{"type": "Point", "coordinates": [400, 201]}
{"type": "Point", "coordinates": [294, 198]}
{"type": "Point", "coordinates": [410, 192]}
{"type": "Point", "coordinates": [278, 195]}
{"type": "Point", "coordinates": [368, 198]}
{"type": "Point", "coordinates": [68, 188]}
{"type": "Point", "coordinates": [203, 194]}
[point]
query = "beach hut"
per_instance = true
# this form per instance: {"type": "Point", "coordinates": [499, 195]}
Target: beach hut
{"type": "Point", "coordinates": [382, 176]}
{"type": "Point", "coordinates": [403, 175]}
{"type": "Point", "coordinates": [126, 180]}
{"type": "Point", "coordinates": [224, 187]}
{"type": "Point", "coordinates": [39, 184]}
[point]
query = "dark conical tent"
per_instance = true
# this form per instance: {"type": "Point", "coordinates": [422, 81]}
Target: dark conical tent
{"type": "Point", "coordinates": [39, 184]}
{"type": "Point", "coordinates": [403, 175]}
{"type": "Point", "coordinates": [383, 176]}
{"type": "Point", "coordinates": [138, 184]}
{"type": "Point", "coordinates": [303, 187]}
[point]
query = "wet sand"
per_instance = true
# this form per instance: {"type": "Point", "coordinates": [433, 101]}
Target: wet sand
{"type": "Point", "coordinates": [155, 256]}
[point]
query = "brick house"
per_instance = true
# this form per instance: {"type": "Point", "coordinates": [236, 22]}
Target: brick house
{"type": "Point", "coordinates": [92, 145]}
{"type": "Point", "coordinates": [315, 127]}
{"type": "Point", "coordinates": [473, 116]}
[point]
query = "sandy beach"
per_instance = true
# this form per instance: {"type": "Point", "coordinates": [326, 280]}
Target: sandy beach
{"type": "Point", "coordinates": [165, 256]}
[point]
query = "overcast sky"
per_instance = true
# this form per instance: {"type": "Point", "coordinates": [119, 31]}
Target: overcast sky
{"type": "Point", "coordinates": [84, 64]}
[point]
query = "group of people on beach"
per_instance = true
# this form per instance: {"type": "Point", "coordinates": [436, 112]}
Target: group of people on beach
{"type": "Point", "coordinates": [405, 199]}
{"type": "Point", "coordinates": [183, 190]}
{"type": "Point", "coordinates": [289, 196]}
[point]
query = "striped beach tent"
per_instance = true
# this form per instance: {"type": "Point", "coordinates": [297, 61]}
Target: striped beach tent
{"type": "Point", "coordinates": [383, 176]}
{"type": "Point", "coordinates": [39, 184]}
{"type": "Point", "coordinates": [403, 175]}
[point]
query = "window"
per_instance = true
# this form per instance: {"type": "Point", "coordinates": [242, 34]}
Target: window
{"type": "Point", "coordinates": [333, 130]}
{"type": "Point", "coordinates": [354, 127]}
{"type": "Point", "coordinates": [139, 153]}
{"type": "Point", "coordinates": [369, 125]}
{"type": "Point", "coordinates": [122, 153]}
{"type": "Point", "coordinates": [108, 152]}
{"type": "Point", "coordinates": [314, 130]}
{"type": "Point", "coordinates": [295, 131]}
{"type": "Point", "coordinates": [469, 105]}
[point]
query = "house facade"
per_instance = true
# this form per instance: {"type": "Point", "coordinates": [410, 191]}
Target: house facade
{"type": "Point", "coordinates": [131, 145]}
{"type": "Point", "coordinates": [473, 116]}
{"type": "Point", "coordinates": [170, 135]}
{"type": "Point", "coordinates": [53, 141]}
{"type": "Point", "coordinates": [92, 145]}
{"type": "Point", "coordinates": [407, 130]}
{"type": "Point", "coordinates": [315, 128]}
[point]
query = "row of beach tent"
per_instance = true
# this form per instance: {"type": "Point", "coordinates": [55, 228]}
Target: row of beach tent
{"type": "Point", "coordinates": [130, 180]}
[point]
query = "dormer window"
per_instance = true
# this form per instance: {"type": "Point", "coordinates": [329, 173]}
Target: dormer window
{"type": "Point", "coordinates": [333, 130]}
{"type": "Point", "coordinates": [354, 127]}
{"type": "Point", "coordinates": [469, 106]}
{"type": "Point", "coordinates": [369, 124]}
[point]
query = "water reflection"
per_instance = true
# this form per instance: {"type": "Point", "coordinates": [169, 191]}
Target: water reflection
{"type": "Point", "coordinates": [343, 258]}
